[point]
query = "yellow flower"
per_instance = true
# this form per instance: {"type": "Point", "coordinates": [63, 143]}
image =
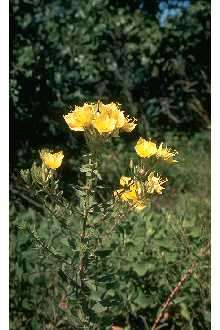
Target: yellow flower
{"type": "Point", "coordinates": [81, 117]}
{"type": "Point", "coordinates": [105, 118]}
{"type": "Point", "coordinates": [126, 195]}
{"type": "Point", "coordinates": [112, 110]}
{"type": "Point", "coordinates": [139, 205]}
{"type": "Point", "coordinates": [166, 154]}
{"type": "Point", "coordinates": [125, 181]}
{"type": "Point", "coordinates": [128, 192]}
{"type": "Point", "coordinates": [129, 125]}
{"type": "Point", "coordinates": [51, 160]}
{"type": "Point", "coordinates": [145, 149]}
{"type": "Point", "coordinates": [154, 184]}
{"type": "Point", "coordinates": [104, 123]}
{"type": "Point", "coordinates": [131, 193]}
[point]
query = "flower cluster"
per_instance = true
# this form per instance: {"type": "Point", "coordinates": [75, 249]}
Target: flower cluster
{"type": "Point", "coordinates": [131, 193]}
{"type": "Point", "coordinates": [147, 149]}
{"type": "Point", "coordinates": [106, 119]}
{"type": "Point", "coordinates": [136, 193]}
{"type": "Point", "coordinates": [99, 121]}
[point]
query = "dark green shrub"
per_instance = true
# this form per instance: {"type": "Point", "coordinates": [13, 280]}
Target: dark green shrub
{"type": "Point", "coordinates": [69, 52]}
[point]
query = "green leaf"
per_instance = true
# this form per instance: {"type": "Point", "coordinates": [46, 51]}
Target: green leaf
{"type": "Point", "coordinates": [142, 300]}
{"type": "Point", "coordinates": [96, 295]}
{"type": "Point", "coordinates": [185, 312]}
{"type": "Point", "coordinates": [98, 308]}
{"type": "Point", "coordinates": [142, 267]}
{"type": "Point", "coordinates": [65, 242]}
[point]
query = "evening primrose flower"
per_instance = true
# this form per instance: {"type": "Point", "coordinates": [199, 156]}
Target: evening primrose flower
{"type": "Point", "coordinates": [130, 197]}
{"type": "Point", "coordinates": [104, 123]}
{"type": "Point", "coordinates": [129, 125]}
{"type": "Point", "coordinates": [81, 118]}
{"type": "Point", "coordinates": [154, 183]}
{"type": "Point", "coordinates": [166, 154]}
{"type": "Point", "coordinates": [112, 110]}
{"type": "Point", "coordinates": [125, 181]}
{"type": "Point", "coordinates": [124, 123]}
{"type": "Point", "coordinates": [131, 193]}
{"type": "Point", "coordinates": [110, 119]}
{"type": "Point", "coordinates": [145, 149]}
{"type": "Point", "coordinates": [51, 160]}
{"type": "Point", "coordinates": [107, 119]}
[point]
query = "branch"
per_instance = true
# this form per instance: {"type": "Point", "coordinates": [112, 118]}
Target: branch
{"type": "Point", "coordinates": [177, 288]}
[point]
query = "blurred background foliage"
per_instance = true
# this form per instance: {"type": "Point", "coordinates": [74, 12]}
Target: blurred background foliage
{"type": "Point", "coordinates": [152, 56]}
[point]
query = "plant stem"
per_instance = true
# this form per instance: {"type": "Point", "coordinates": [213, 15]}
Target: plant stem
{"type": "Point", "coordinates": [84, 248]}
{"type": "Point", "coordinates": [177, 288]}
{"type": "Point", "coordinates": [82, 240]}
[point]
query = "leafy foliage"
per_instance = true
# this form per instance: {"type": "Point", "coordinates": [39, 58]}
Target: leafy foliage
{"type": "Point", "coordinates": [138, 263]}
{"type": "Point", "coordinates": [65, 53]}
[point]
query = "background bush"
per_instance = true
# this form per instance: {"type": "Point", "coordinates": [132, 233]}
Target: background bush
{"type": "Point", "coordinates": [69, 52]}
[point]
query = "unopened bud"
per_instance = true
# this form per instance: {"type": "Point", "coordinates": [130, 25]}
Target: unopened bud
{"type": "Point", "coordinates": [131, 163]}
{"type": "Point", "coordinates": [141, 171]}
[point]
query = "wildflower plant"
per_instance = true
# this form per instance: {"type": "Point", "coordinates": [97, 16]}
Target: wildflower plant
{"type": "Point", "coordinates": [88, 224]}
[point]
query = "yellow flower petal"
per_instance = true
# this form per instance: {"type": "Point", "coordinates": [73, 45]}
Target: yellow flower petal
{"type": "Point", "coordinates": [129, 125]}
{"type": "Point", "coordinates": [166, 154]}
{"type": "Point", "coordinates": [125, 181]}
{"type": "Point", "coordinates": [104, 123]}
{"type": "Point", "coordinates": [81, 117]}
{"type": "Point", "coordinates": [112, 110]}
{"type": "Point", "coordinates": [154, 184]}
{"type": "Point", "coordinates": [145, 149]}
{"type": "Point", "coordinates": [51, 160]}
{"type": "Point", "coordinates": [131, 193]}
{"type": "Point", "coordinates": [139, 205]}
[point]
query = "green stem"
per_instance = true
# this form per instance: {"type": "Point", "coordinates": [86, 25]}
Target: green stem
{"type": "Point", "coordinates": [82, 241]}
{"type": "Point", "coordinates": [84, 253]}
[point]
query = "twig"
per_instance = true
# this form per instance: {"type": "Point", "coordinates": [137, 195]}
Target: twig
{"type": "Point", "coordinates": [177, 288]}
{"type": "Point", "coordinates": [27, 198]}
